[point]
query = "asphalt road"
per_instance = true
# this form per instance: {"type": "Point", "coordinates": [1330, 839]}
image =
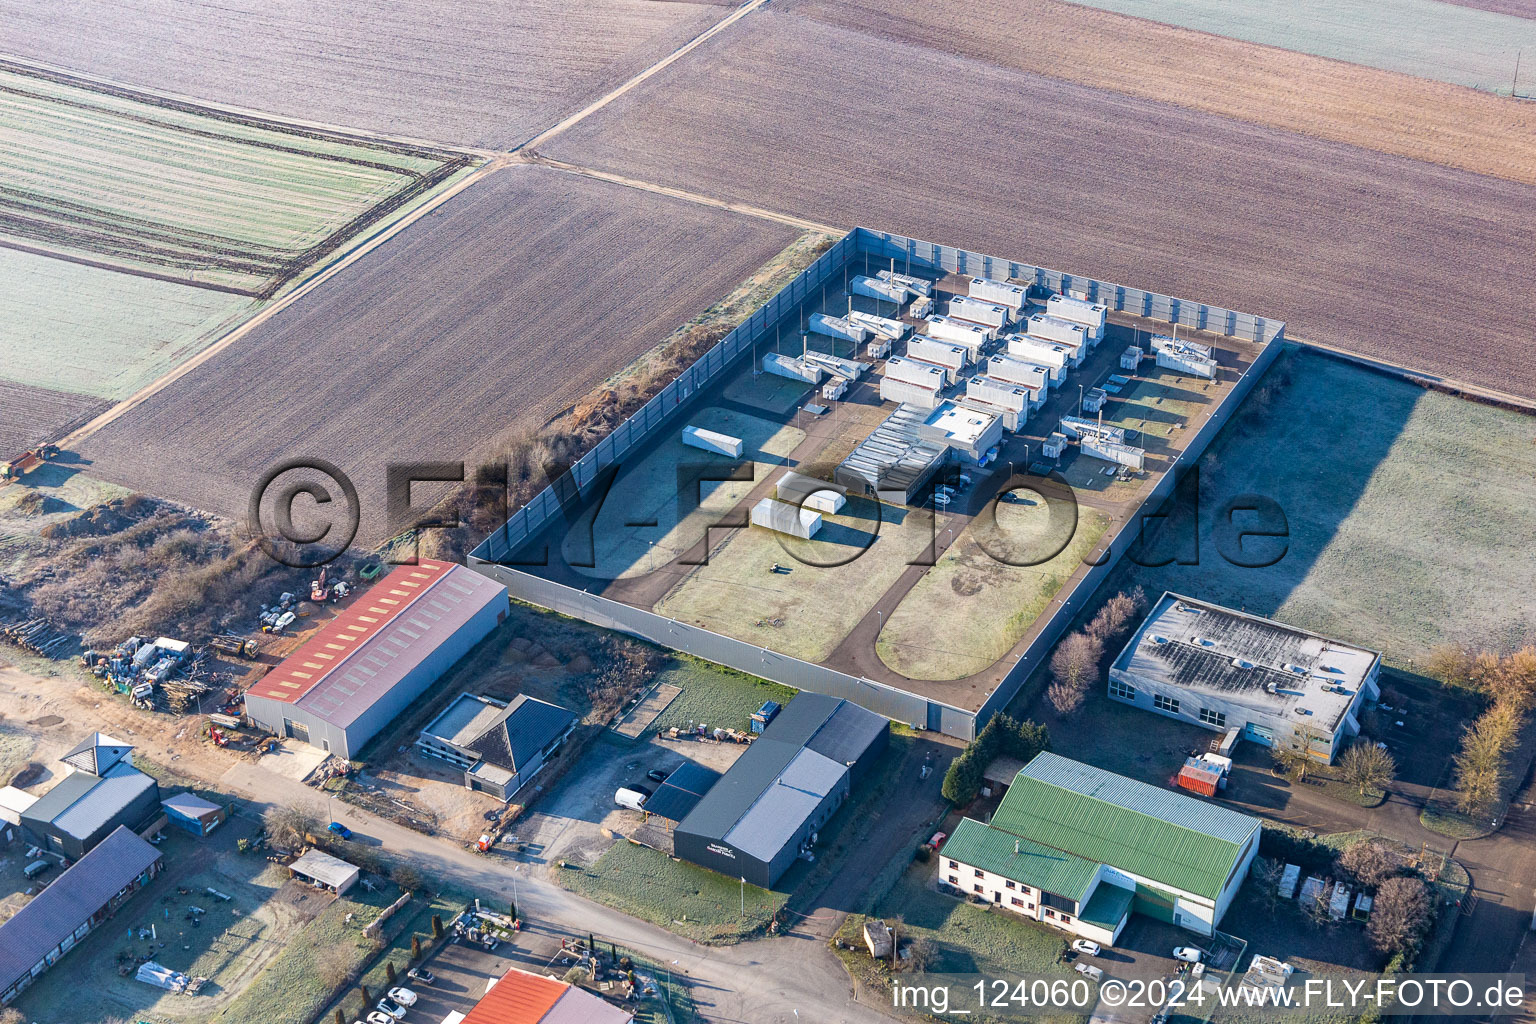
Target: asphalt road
{"type": "Point", "coordinates": [788, 980]}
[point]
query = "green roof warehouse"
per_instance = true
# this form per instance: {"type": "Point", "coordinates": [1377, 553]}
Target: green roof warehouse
{"type": "Point", "coordinates": [1082, 849]}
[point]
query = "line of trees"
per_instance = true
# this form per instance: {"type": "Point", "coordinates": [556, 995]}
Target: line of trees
{"type": "Point", "coordinates": [1075, 662]}
{"type": "Point", "coordinates": [1482, 766]}
{"type": "Point", "coordinates": [1002, 736]}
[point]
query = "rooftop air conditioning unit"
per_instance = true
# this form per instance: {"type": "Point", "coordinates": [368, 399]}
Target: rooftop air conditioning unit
{"type": "Point", "coordinates": [1242, 663]}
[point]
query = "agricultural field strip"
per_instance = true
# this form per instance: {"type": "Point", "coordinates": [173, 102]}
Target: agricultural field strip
{"type": "Point", "coordinates": [142, 181]}
{"type": "Point", "coordinates": [1362, 247]}
{"type": "Point", "coordinates": [1386, 111]}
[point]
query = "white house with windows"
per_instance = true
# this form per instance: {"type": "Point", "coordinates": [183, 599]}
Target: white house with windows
{"type": "Point", "coordinates": [1081, 849]}
{"type": "Point", "coordinates": [1279, 685]}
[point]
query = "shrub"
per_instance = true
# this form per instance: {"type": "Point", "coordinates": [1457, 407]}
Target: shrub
{"type": "Point", "coordinates": [1400, 916]}
{"type": "Point", "coordinates": [1002, 736]}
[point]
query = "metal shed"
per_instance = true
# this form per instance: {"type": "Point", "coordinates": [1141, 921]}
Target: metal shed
{"type": "Point", "coordinates": [321, 869]}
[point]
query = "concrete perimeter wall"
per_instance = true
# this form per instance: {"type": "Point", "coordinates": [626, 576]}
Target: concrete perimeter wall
{"type": "Point", "coordinates": [500, 554]}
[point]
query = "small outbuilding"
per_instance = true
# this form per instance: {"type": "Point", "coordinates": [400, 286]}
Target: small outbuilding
{"type": "Point", "coordinates": [191, 813]}
{"type": "Point", "coordinates": [323, 871]}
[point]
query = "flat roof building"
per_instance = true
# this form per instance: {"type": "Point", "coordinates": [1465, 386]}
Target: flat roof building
{"type": "Point", "coordinates": [895, 461]}
{"type": "Point", "coordinates": [1280, 685]}
{"type": "Point", "coordinates": [1081, 849]}
{"type": "Point", "coordinates": [103, 792]}
{"type": "Point", "coordinates": [499, 746]}
{"type": "Point", "coordinates": [970, 432]}
{"type": "Point", "coordinates": [66, 911]}
{"type": "Point", "coordinates": [760, 815]}
{"type": "Point", "coordinates": [366, 666]}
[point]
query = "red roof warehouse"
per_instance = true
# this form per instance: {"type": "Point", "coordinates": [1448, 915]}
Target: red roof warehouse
{"type": "Point", "coordinates": [367, 665]}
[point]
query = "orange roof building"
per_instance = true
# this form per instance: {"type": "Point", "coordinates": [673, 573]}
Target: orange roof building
{"type": "Point", "coordinates": [523, 998]}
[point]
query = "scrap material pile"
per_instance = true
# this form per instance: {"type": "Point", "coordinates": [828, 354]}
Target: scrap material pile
{"type": "Point", "coordinates": [163, 674]}
{"type": "Point", "coordinates": [39, 636]}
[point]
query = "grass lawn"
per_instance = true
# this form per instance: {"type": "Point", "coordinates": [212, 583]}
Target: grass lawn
{"type": "Point", "coordinates": [1408, 513]}
{"type": "Point", "coordinates": [985, 605]}
{"type": "Point", "coordinates": [806, 612]}
{"type": "Point", "coordinates": [611, 534]}
{"type": "Point", "coordinates": [716, 696]}
{"type": "Point", "coordinates": [291, 988]}
{"type": "Point", "coordinates": [685, 899]}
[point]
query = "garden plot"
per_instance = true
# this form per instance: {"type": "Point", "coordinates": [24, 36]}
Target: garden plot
{"type": "Point", "coordinates": [146, 185]}
{"type": "Point", "coordinates": [1360, 248]}
{"type": "Point", "coordinates": [830, 584]}
{"type": "Point", "coordinates": [649, 516]}
{"type": "Point", "coordinates": [971, 608]}
{"type": "Point", "coordinates": [1409, 512]}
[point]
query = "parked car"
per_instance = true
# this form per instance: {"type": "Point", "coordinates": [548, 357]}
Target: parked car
{"type": "Point", "coordinates": [395, 1010]}
{"type": "Point", "coordinates": [1189, 954]}
{"type": "Point", "coordinates": [1086, 946]}
{"type": "Point", "coordinates": [936, 841]}
{"type": "Point", "coordinates": [422, 975]}
{"type": "Point", "coordinates": [404, 996]}
{"type": "Point", "coordinates": [1089, 971]}
{"type": "Point", "coordinates": [657, 775]}
{"type": "Point", "coordinates": [380, 1017]}
{"type": "Point", "coordinates": [337, 828]}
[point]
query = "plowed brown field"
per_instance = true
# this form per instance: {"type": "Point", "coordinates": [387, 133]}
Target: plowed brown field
{"type": "Point", "coordinates": [30, 415]}
{"type": "Point", "coordinates": [1329, 99]}
{"type": "Point", "coordinates": [497, 311]}
{"type": "Point", "coordinates": [1394, 257]}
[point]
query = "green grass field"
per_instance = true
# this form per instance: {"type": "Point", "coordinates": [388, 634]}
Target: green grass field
{"type": "Point", "coordinates": [607, 534]}
{"type": "Point", "coordinates": [688, 900]}
{"type": "Point", "coordinates": [1448, 42]}
{"type": "Point", "coordinates": [718, 697]}
{"type": "Point", "coordinates": [985, 605]}
{"type": "Point", "coordinates": [807, 611]}
{"type": "Point", "coordinates": [1409, 513]}
{"type": "Point", "coordinates": [156, 186]}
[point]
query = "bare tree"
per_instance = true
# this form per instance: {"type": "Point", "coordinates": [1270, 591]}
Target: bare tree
{"type": "Point", "coordinates": [1117, 613]}
{"type": "Point", "coordinates": [1065, 698]}
{"type": "Point", "coordinates": [1316, 909]}
{"type": "Point", "coordinates": [1269, 871]}
{"type": "Point", "coordinates": [1369, 862]}
{"type": "Point", "coordinates": [332, 964]}
{"type": "Point", "coordinates": [1368, 766]}
{"type": "Point", "coordinates": [289, 824]}
{"type": "Point", "coordinates": [1293, 764]}
{"type": "Point", "coordinates": [1451, 664]}
{"type": "Point", "coordinates": [1073, 665]}
{"type": "Point", "coordinates": [1400, 915]}
{"type": "Point", "coordinates": [921, 955]}
{"type": "Point", "coordinates": [577, 976]}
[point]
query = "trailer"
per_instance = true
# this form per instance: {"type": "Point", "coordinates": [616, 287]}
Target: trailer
{"type": "Point", "coordinates": [712, 441]}
{"type": "Point", "coordinates": [782, 517]}
{"type": "Point", "coordinates": [902, 392]}
{"type": "Point", "coordinates": [838, 327]}
{"type": "Point", "coordinates": [1182, 358]}
{"type": "Point", "coordinates": [878, 288]}
{"type": "Point", "coordinates": [1024, 373]}
{"type": "Point", "coordinates": [1003, 293]}
{"type": "Point", "coordinates": [992, 314]}
{"type": "Point", "coordinates": [1094, 399]}
{"type": "Point", "coordinates": [1054, 446]}
{"type": "Point", "coordinates": [1117, 452]}
{"type": "Point", "coordinates": [1013, 397]}
{"type": "Point", "coordinates": [1130, 359]}
{"type": "Point", "coordinates": [834, 388]}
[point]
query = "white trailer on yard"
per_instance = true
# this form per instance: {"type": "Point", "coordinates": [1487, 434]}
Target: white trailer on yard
{"type": "Point", "coordinates": [994, 315]}
{"type": "Point", "coordinates": [1130, 359]}
{"type": "Point", "coordinates": [1090, 314]}
{"type": "Point", "coordinates": [809, 492]}
{"type": "Point", "coordinates": [834, 388]}
{"type": "Point", "coordinates": [876, 288]}
{"type": "Point", "coordinates": [1004, 293]}
{"type": "Point", "coordinates": [1055, 445]}
{"type": "Point", "coordinates": [972, 336]}
{"type": "Point", "coordinates": [781, 365]}
{"type": "Point", "coordinates": [880, 326]}
{"type": "Point", "coordinates": [712, 441]}
{"type": "Point", "coordinates": [782, 517]}
{"type": "Point", "coordinates": [838, 327]}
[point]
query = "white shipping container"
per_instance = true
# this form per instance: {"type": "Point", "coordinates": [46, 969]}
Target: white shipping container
{"type": "Point", "coordinates": [1001, 292]}
{"type": "Point", "coordinates": [1048, 354]}
{"type": "Point", "coordinates": [1023, 372]}
{"type": "Point", "coordinates": [999, 393]}
{"type": "Point", "coordinates": [782, 517]}
{"type": "Point", "coordinates": [992, 314]}
{"type": "Point", "coordinates": [880, 326]}
{"type": "Point", "coordinates": [902, 393]}
{"type": "Point", "coordinates": [781, 365]}
{"type": "Point", "coordinates": [837, 327]}
{"type": "Point", "coordinates": [711, 441]}
{"type": "Point", "coordinates": [809, 492]}
{"type": "Point", "coordinates": [1054, 328]}
{"type": "Point", "coordinates": [972, 336]}
{"type": "Point", "coordinates": [1186, 360]}
{"type": "Point", "coordinates": [910, 371]}
{"type": "Point", "coordinates": [1114, 451]}
{"type": "Point", "coordinates": [875, 288]}
{"type": "Point", "coordinates": [942, 353]}
{"type": "Point", "coordinates": [1090, 314]}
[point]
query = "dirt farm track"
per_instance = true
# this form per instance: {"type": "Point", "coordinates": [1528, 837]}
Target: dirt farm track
{"type": "Point", "coordinates": [1398, 258]}
{"type": "Point", "coordinates": [456, 331]}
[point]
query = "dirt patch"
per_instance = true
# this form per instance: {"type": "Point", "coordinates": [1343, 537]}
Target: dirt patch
{"type": "Point", "coordinates": [47, 721]}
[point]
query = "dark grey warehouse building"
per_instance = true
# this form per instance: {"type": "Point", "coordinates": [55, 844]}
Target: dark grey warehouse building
{"type": "Point", "coordinates": [755, 820]}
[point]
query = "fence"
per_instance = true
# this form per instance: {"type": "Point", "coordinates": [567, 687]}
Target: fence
{"type": "Point", "coordinates": [565, 495]}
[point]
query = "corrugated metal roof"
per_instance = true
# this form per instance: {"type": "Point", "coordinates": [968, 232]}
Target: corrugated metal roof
{"type": "Point", "coordinates": [96, 753]}
{"type": "Point", "coordinates": [70, 901]}
{"type": "Point", "coordinates": [518, 998]}
{"type": "Point", "coordinates": [847, 733]}
{"type": "Point", "coordinates": [682, 791]}
{"type": "Point", "coordinates": [784, 805]}
{"type": "Point", "coordinates": [1185, 843]}
{"type": "Point", "coordinates": [361, 655]}
{"type": "Point", "coordinates": [579, 1006]}
{"type": "Point", "coordinates": [120, 787]}
{"type": "Point", "coordinates": [190, 805]}
{"type": "Point", "coordinates": [322, 867]}
{"type": "Point", "coordinates": [1036, 865]}
{"type": "Point", "coordinates": [521, 731]}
